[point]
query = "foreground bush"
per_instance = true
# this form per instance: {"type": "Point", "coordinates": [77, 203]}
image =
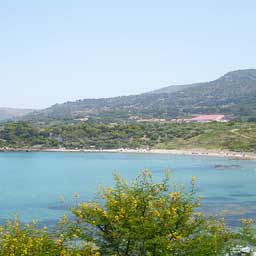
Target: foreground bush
{"type": "Point", "coordinates": [140, 218]}
{"type": "Point", "coordinates": [18, 240]}
{"type": "Point", "coordinates": [147, 218]}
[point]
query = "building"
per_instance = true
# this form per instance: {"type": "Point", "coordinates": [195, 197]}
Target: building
{"type": "Point", "coordinates": [207, 119]}
{"type": "Point", "coordinates": [152, 120]}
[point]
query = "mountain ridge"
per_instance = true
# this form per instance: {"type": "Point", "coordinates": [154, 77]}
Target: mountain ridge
{"type": "Point", "coordinates": [232, 94]}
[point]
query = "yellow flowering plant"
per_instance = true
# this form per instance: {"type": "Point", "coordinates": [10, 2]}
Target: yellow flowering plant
{"type": "Point", "coordinates": [147, 218]}
{"type": "Point", "coordinates": [18, 239]}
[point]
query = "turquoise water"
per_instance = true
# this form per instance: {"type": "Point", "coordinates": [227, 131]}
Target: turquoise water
{"type": "Point", "coordinates": [31, 184]}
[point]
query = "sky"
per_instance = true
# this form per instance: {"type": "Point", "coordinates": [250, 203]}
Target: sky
{"type": "Point", "coordinates": [62, 50]}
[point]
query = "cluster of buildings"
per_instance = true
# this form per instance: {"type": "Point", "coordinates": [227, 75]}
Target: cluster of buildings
{"type": "Point", "coordinates": [205, 119]}
{"type": "Point", "coordinates": [194, 119]}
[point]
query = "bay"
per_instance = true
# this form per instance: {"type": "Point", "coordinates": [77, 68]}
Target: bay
{"type": "Point", "coordinates": [34, 184]}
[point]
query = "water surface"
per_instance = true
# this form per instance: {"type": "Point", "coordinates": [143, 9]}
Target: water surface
{"type": "Point", "coordinates": [31, 184]}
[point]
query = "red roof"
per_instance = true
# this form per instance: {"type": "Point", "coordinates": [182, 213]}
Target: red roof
{"type": "Point", "coordinates": [208, 118]}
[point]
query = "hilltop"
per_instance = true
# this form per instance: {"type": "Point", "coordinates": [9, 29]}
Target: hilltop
{"type": "Point", "coordinates": [233, 94]}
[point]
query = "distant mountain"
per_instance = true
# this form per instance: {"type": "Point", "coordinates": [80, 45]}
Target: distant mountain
{"type": "Point", "coordinates": [173, 88]}
{"type": "Point", "coordinates": [13, 113]}
{"type": "Point", "coordinates": [233, 94]}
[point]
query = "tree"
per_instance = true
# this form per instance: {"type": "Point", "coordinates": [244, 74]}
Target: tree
{"type": "Point", "coordinates": [147, 218]}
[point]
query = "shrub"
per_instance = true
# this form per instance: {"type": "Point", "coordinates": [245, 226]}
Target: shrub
{"type": "Point", "coordinates": [147, 218]}
{"type": "Point", "coordinates": [28, 240]}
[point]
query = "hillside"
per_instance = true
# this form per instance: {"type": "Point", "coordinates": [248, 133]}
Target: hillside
{"type": "Point", "coordinates": [13, 113]}
{"type": "Point", "coordinates": [233, 136]}
{"type": "Point", "coordinates": [233, 94]}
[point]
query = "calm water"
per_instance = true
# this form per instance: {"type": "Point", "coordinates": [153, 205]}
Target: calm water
{"type": "Point", "coordinates": [31, 184]}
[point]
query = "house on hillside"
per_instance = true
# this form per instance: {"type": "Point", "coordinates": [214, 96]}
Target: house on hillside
{"type": "Point", "coordinates": [207, 119]}
{"type": "Point", "coordinates": [152, 120]}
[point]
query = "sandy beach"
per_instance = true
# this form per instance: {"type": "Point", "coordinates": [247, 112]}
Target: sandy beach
{"type": "Point", "coordinates": [193, 152]}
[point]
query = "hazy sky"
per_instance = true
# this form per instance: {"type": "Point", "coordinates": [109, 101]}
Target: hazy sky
{"type": "Point", "coordinates": [58, 50]}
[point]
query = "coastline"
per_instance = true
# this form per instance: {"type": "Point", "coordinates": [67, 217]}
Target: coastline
{"type": "Point", "coordinates": [192, 152]}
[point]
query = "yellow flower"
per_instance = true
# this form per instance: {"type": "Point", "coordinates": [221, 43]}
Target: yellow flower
{"type": "Point", "coordinates": [174, 195]}
{"type": "Point", "coordinates": [193, 180]}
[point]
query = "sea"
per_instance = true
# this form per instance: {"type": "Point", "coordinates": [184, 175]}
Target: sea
{"type": "Point", "coordinates": [44, 186]}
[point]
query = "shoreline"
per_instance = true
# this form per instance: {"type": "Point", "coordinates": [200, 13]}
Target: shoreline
{"type": "Point", "coordinates": [192, 152]}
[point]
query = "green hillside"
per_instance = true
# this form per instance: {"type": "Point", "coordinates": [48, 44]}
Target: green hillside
{"type": "Point", "coordinates": [234, 94]}
{"type": "Point", "coordinates": [215, 136]}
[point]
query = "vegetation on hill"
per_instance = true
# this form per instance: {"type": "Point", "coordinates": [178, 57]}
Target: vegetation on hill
{"type": "Point", "coordinates": [230, 136]}
{"type": "Point", "coordinates": [234, 94]}
{"type": "Point", "coordinates": [138, 218]}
